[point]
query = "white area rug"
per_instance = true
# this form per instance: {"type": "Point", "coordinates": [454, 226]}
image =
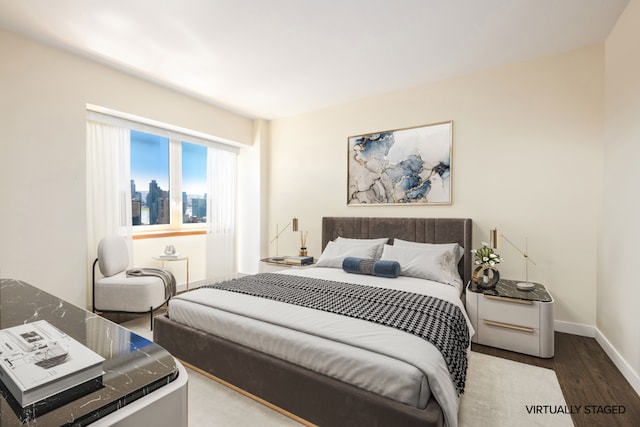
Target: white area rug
{"type": "Point", "coordinates": [498, 392]}
{"type": "Point", "coordinates": [214, 405]}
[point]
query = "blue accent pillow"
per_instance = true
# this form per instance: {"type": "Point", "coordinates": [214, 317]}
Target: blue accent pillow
{"type": "Point", "coordinates": [372, 267]}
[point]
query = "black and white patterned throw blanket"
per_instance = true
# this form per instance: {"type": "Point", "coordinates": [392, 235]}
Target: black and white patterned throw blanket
{"type": "Point", "coordinates": [435, 320]}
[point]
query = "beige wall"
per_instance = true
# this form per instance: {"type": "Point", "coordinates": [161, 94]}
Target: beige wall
{"type": "Point", "coordinates": [618, 284]}
{"type": "Point", "coordinates": [527, 158]}
{"type": "Point", "coordinates": [44, 92]}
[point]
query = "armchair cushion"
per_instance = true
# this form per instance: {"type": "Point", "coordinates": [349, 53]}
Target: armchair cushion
{"type": "Point", "coordinates": [113, 255]}
{"type": "Point", "coordinates": [128, 294]}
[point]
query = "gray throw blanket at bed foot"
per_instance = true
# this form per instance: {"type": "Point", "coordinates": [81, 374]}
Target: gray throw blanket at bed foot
{"type": "Point", "coordinates": [167, 278]}
{"type": "Point", "coordinates": [435, 320]}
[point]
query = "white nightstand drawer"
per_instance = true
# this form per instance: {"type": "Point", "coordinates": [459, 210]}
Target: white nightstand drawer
{"type": "Point", "coordinates": [509, 337]}
{"type": "Point", "coordinates": [511, 311]}
{"type": "Point", "coordinates": [266, 267]}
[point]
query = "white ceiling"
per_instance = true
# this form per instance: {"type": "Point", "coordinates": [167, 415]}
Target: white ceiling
{"type": "Point", "coordinates": [274, 58]}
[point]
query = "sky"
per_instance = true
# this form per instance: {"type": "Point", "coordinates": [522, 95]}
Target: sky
{"type": "Point", "coordinates": [150, 160]}
{"type": "Point", "coordinates": [194, 168]}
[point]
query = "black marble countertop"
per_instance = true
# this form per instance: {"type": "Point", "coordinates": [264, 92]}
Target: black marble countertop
{"type": "Point", "coordinates": [507, 289]}
{"type": "Point", "coordinates": [133, 366]}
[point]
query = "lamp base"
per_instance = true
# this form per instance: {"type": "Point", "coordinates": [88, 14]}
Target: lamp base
{"type": "Point", "coordinates": [525, 286]}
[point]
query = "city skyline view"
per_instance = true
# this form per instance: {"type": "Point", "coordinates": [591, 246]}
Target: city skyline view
{"type": "Point", "coordinates": [150, 179]}
{"type": "Point", "coordinates": [150, 161]}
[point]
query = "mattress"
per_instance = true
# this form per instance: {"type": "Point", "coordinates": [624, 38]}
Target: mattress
{"type": "Point", "coordinates": [374, 357]}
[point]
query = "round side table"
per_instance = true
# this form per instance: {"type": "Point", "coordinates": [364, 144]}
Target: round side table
{"type": "Point", "coordinates": [171, 258]}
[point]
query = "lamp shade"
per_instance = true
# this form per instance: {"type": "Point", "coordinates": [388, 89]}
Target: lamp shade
{"type": "Point", "coordinates": [494, 238]}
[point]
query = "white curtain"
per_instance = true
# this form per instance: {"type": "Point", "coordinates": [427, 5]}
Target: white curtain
{"type": "Point", "coordinates": [221, 214]}
{"type": "Point", "coordinates": [108, 186]}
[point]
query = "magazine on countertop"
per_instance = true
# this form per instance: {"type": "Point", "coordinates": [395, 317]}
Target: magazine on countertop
{"type": "Point", "coordinates": [37, 361]}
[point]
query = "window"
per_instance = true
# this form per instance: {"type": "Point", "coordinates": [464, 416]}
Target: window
{"type": "Point", "coordinates": [167, 172]}
{"type": "Point", "coordinates": [194, 183]}
{"type": "Point", "coordinates": [150, 191]}
{"type": "Point", "coordinates": [157, 177]}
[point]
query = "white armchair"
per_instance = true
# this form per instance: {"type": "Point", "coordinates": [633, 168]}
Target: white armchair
{"type": "Point", "coordinates": [127, 291]}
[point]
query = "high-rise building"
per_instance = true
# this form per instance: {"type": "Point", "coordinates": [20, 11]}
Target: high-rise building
{"type": "Point", "coordinates": [136, 212]}
{"type": "Point", "coordinates": [185, 202]}
{"type": "Point", "coordinates": [163, 211]}
{"type": "Point", "coordinates": [134, 193]}
{"type": "Point", "coordinates": [158, 204]}
{"type": "Point", "coordinates": [199, 209]}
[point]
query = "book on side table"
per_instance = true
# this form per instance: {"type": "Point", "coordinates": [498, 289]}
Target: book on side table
{"type": "Point", "coordinates": [38, 361]}
{"type": "Point", "coordinates": [298, 260]}
{"type": "Point", "coordinates": [174, 255]}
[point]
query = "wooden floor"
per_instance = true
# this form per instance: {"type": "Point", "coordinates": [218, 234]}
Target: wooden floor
{"type": "Point", "coordinates": [588, 379]}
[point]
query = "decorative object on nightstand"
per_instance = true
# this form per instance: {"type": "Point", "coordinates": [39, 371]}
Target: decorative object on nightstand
{"type": "Point", "coordinates": [495, 237]}
{"type": "Point", "coordinates": [303, 243]}
{"type": "Point", "coordinates": [486, 274]}
{"type": "Point", "coordinates": [294, 227]}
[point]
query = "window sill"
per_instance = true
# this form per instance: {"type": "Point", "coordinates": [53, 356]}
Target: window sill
{"type": "Point", "coordinates": [161, 234]}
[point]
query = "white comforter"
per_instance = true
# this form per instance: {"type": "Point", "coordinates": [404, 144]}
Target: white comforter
{"type": "Point", "coordinates": [377, 358]}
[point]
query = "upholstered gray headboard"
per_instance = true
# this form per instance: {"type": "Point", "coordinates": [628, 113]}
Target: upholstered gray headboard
{"type": "Point", "coordinates": [423, 230]}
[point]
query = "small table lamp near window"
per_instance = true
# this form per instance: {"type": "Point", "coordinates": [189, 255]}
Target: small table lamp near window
{"type": "Point", "coordinates": [294, 227]}
{"type": "Point", "coordinates": [495, 237]}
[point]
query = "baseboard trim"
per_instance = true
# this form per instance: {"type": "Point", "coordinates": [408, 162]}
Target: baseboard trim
{"type": "Point", "coordinates": [592, 332]}
{"type": "Point", "coordinates": [574, 328]}
{"type": "Point", "coordinates": [627, 371]}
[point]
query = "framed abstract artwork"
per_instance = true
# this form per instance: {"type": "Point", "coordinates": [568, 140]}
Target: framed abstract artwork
{"type": "Point", "coordinates": [410, 166]}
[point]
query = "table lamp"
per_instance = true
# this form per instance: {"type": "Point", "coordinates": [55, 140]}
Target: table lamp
{"type": "Point", "coordinates": [494, 241]}
{"type": "Point", "coordinates": [294, 227]}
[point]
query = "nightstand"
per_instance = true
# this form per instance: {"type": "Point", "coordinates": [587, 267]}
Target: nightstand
{"type": "Point", "coordinates": [511, 319]}
{"type": "Point", "coordinates": [268, 265]}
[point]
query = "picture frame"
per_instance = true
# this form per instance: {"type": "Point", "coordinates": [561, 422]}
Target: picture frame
{"type": "Point", "coordinates": [409, 166]}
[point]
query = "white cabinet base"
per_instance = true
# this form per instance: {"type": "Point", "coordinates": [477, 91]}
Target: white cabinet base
{"type": "Point", "coordinates": [523, 326]}
{"type": "Point", "coordinates": [166, 406]}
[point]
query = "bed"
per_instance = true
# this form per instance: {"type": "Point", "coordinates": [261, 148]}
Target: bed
{"type": "Point", "coordinates": [317, 382]}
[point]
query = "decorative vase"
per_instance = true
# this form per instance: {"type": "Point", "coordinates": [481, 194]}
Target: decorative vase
{"type": "Point", "coordinates": [486, 277]}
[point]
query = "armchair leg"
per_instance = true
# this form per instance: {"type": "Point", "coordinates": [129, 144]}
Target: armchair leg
{"type": "Point", "coordinates": [151, 317]}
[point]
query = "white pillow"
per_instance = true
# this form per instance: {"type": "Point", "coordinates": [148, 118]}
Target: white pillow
{"type": "Point", "coordinates": [437, 264]}
{"type": "Point", "coordinates": [458, 250]}
{"type": "Point", "coordinates": [336, 252]}
{"type": "Point", "coordinates": [379, 243]}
